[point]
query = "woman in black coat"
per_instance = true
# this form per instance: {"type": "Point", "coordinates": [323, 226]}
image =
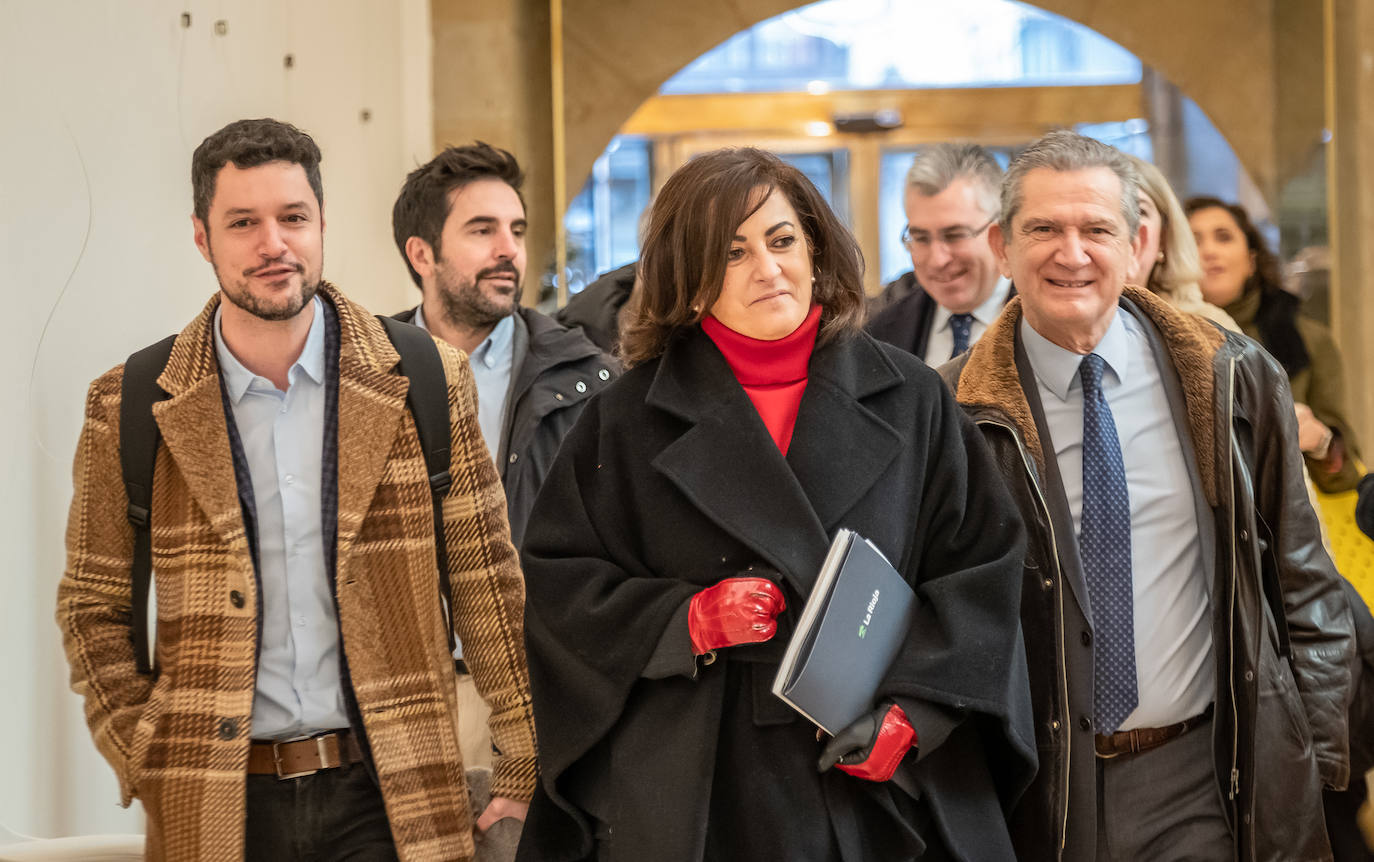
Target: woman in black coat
{"type": "Point", "coordinates": [679, 531]}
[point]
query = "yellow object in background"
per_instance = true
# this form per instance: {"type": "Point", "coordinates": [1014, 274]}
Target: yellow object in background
{"type": "Point", "coordinates": [1351, 550]}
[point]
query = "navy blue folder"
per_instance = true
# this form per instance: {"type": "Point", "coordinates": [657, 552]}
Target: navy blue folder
{"type": "Point", "coordinates": [854, 622]}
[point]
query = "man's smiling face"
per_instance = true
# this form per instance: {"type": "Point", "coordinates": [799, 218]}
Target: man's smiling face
{"type": "Point", "coordinates": [1069, 252]}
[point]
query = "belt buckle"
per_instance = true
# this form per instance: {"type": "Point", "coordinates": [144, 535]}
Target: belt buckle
{"type": "Point", "coordinates": [319, 748]}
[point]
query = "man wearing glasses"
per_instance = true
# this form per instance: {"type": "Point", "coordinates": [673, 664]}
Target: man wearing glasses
{"type": "Point", "coordinates": [955, 290]}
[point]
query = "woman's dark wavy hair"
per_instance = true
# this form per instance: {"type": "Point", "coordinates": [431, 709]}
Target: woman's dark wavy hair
{"type": "Point", "coordinates": [694, 219]}
{"type": "Point", "coordinates": [1276, 319]}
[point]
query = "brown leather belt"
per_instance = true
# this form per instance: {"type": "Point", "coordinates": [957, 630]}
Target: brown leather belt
{"type": "Point", "coordinates": [1141, 739]}
{"type": "Point", "coordinates": [297, 757]}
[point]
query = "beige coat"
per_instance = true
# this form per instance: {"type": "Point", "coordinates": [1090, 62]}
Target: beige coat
{"type": "Point", "coordinates": [181, 744]}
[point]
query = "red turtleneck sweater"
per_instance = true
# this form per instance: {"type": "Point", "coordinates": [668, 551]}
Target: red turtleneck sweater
{"type": "Point", "coordinates": [773, 373]}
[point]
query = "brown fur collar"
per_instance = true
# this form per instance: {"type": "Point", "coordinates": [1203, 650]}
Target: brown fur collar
{"type": "Point", "coordinates": [989, 378]}
{"type": "Point", "coordinates": [364, 348]}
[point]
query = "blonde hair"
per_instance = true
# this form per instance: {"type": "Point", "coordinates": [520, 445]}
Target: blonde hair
{"type": "Point", "coordinates": [1180, 272]}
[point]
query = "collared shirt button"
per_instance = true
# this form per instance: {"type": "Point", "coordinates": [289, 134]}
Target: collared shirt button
{"type": "Point", "coordinates": [300, 621]}
{"type": "Point", "coordinates": [228, 728]}
{"type": "Point", "coordinates": [604, 374]}
{"type": "Point", "coordinates": [581, 387]}
{"type": "Point", "coordinates": [236, 598]}
{"type": "Point", "coordinates": [290, 480]}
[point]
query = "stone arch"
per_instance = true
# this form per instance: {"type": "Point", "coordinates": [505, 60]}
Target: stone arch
{"type": "Point", "coordinates": [1221, 53]}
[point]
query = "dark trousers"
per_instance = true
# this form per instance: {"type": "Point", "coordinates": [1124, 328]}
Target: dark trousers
{"type": "Point", "coordinates": [330, 816]}
{"type": "Point", "coordinates": [1163, 805]}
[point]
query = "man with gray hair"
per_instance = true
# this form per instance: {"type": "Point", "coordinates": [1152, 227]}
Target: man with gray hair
{"type": "Point", "coordinates": [1188, 642]}
{"type": "Point", "coordinates": [953, 292]}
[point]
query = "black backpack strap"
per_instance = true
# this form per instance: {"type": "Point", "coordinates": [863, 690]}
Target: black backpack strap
{"type": "Point", "coordinates": [138, 441]}
{"type": "Point", "coordinates": [428, 401]}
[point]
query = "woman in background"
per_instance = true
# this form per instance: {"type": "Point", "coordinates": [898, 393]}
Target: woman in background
{"type": "Point", "coordinates": [679, 531]}
{"type": "Point", "coordinates": [1167, 263]}
{"type": "Point", "coordinates": [1241, 274]}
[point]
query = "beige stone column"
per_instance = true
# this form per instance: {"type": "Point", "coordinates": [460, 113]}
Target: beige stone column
{"type": "Point", "coordinates": [1351, 198]}
{"type": "Point", "coordinates": [492, 83]}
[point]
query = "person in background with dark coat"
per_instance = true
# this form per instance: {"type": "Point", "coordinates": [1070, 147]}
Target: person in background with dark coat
{"type": "Point", "coordinates": [597, 308]}
{"type": "Point", "coordinates": [459, 223]}
{"type": "Point", "coordinates": [955, 290]}
{"type": "Point", "coordinates": [679, 532]}
{"type": "Point", "coordinates": [1241, 275]}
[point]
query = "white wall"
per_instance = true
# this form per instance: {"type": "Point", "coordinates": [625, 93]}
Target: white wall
{"type": "Point", "coordinates": [101, 104]}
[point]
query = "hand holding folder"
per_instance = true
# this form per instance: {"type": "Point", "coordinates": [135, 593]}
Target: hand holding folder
{"type": "Point", "coordinates": [855, 621]}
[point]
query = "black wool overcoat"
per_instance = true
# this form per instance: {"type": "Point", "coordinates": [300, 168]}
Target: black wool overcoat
{"type": "Point", "coordinates": [670, 483]}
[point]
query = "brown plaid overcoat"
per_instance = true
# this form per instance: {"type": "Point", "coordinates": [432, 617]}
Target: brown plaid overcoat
{"type": "Point", "coordinates": [181, 744]}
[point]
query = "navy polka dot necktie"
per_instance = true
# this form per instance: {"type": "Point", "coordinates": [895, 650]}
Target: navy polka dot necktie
{"type": "Point", "coordinates": [960, 326]}
{"type": "Point", "coordinates": [1104, 543]}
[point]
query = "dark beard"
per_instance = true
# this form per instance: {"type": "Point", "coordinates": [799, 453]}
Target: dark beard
{"type": "Point", "coordinates": [464, 305]}
{"type": "Point", "coordinates": [249, 303]}
{"type": "Point", "coordinates": [245, 299]}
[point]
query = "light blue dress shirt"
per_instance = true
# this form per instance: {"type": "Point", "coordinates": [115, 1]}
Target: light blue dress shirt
{"type": "Point", "coordinates": [299, 690]}
{"type": "Point", "coordinates": [1176, 678]}
{"type": "Point", "coordinates": [491, 365]}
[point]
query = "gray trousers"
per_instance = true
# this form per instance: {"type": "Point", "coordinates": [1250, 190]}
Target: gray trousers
{"type": "Point", "coordinates": [1163, 805]}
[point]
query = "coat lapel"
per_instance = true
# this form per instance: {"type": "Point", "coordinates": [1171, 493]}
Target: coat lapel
{"type": "Point", "coordinates": [841, 448]}
{"type": "Point", "coordinates": [192, 424]}
{"type": "Point", "coordinates": [372, 402]}
{"type": "Point", "coordinates": [727, 465]}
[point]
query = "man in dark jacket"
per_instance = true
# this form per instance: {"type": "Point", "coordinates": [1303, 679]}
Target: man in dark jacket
{"type": "Point", "coordinates": [460, 225]}
{"type": "Point", "coordinates": [1188, 641]}
{"type": "Point", "coordinates": [954, 291]}
{"type": "Point", "coordinates": [459, 222]}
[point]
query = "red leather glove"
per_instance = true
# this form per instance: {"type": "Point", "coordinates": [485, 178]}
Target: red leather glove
{"type": "Point", "coordinates": [872, 747]}
{"type": "Point", "coordinates": [734, 611]}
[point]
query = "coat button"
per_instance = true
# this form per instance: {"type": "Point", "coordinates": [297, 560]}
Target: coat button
{"type": "Point", "coordinates": [1049, 583]}
{"type": "Point", "coordinates": [1245, 535]}
{"type": "Point", "coordinates": [604, 374]}
{"type": "Point", "coordinates": [228, 728]}
{"type": "Point", "coordinates": [1085, 723]}
{"type": "Point", "coordinates": [513, 457]}
{"type": "Point", "coordinates": [1086, 638]}
{"type": "Point", "coordinates": [236, 598]}
{"type": "Point", "coordinates": [1249, 676]}
{"type": "Point", "coordinates": [1054, 725]}
{"type": "Point", "coordinates": [580, 387]}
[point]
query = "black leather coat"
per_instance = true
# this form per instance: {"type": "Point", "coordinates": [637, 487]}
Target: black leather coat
{"type": "Point", "coordinates": [1281, 625]}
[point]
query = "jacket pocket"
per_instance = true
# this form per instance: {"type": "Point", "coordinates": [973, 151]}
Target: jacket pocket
{"type": "Point", "coordinates": [144, 730]}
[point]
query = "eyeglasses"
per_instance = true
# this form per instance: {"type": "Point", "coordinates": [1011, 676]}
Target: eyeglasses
{"type": "Point", "coordinates": [951, 237]}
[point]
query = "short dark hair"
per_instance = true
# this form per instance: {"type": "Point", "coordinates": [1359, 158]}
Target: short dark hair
{"type": "Point", "coordinates": [694, 219]}
{"type": "Point", "coordinates": [249, 143]}
{"type": "Point", "coordinates": [423, 205]}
